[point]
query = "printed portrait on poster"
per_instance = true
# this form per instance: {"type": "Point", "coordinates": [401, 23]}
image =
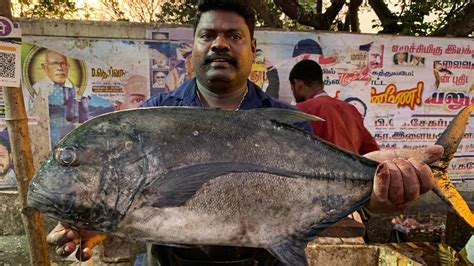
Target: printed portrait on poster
{"type": "Point", "coordinates": [400, 58]}
{"type": "Point", "coordinates": [55, 84]}
{"type": "Point", "coordinates": [158, 81]}
{"type": "Point", "coordinates": [7, 175]}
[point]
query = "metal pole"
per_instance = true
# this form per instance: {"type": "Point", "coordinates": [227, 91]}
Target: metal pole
{"type": "Point", "coordinates": [17, 124]}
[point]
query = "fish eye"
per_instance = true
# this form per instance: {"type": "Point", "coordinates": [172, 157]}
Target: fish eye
{"type": "Point", "coordinates": [66, 156]}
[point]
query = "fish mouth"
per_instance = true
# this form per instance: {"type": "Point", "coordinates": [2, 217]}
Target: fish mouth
{"type": "Point", "coordinates": [48, 202]}
{"type": "Point", "coordinates": [63, 207]}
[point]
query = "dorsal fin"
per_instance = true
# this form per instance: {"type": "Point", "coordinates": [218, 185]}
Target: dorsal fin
{"type": "Point", "coordinates": [286, 116]}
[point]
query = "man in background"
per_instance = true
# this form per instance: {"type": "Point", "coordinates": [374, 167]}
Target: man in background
{"type": "Point", "coordinates": [343, 125]}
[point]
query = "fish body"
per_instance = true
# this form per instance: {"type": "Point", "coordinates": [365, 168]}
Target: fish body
{"type": "Point", "coordinates": [202, 177]}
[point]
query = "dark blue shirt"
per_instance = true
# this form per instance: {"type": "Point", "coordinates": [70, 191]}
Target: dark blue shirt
{"type": "Point", "coordinates": [186, 95]}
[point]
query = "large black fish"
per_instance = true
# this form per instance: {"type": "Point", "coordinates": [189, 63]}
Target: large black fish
{"type": "Point", "coordinates": [202, 176]}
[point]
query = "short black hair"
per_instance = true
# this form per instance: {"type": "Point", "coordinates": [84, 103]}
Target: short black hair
{"type": "Point", "coordinates": [242, 7]}
{"type": "Point", "coordinates": [308, 71]}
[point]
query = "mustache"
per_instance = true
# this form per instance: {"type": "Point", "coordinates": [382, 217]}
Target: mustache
{"type": "Point", "coordinates": [219, 55]}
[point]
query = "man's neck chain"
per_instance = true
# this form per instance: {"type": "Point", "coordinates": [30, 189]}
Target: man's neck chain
{"type": "Point", "coordinates": [240, 103]}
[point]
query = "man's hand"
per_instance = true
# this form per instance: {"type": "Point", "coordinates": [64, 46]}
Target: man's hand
{"type": "Point", "coordinates": [67, 239]}
{"type": "Point", "coordinates": [402, 176]}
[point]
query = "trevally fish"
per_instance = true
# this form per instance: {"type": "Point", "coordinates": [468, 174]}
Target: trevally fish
{"type": "Point", "coordinates": [201, 176]}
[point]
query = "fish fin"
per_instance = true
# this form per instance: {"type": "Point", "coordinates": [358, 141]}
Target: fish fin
{"type": "Point", "coordinates": [450, 140]}
{"type": "Point", "coordinates": [179, 185]}
{"type": "Point", "coordinates": [309, 234]}
{"type": "Point", "coordinates": [290, 252]}
{"type": "Point", "coordinates": [286, 116]}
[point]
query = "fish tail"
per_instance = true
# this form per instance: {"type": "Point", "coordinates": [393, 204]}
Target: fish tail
{"type": "Point", "coordinates": [450, 140]}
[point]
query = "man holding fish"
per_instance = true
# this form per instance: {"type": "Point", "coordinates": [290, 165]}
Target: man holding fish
{"type": "Point", "coordinates": [223, 51]}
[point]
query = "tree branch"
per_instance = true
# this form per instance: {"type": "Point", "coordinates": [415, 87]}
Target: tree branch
{"type": "Point", "coordinates": [293, 10]}
{"type": "Point", "coordinates": [331, 13]}
{"type": "Point", "coordinates": [460, 25]}
{"type": "Point", "coordinates": [319, 7]}
{"type": "Point", "coordinates": [112, 8]}
{"type": "Point", "coordinates": [269, 18]}
{"type": "Point", "coordinates": [318, 21]}
{"type": "Point", "coordinates": [352, 17]}
{"type": "Point", "coordinates": [388, 19]}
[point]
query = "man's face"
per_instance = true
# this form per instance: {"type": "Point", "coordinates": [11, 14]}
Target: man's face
{"type": "Point", "coordinates": [296, 88]}
{"type": "Point", "coordinates": [160, 79]}
{"type": "Point", "coordinates": [401, 57]}
{"type": "Point", "coordinates": [4, 160]}
{"type": "Point", "coordinates": [223, 50]}
{"type": "Point", "coordinates": [56, 67]}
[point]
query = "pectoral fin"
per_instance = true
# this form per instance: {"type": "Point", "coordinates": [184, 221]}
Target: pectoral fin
{"type": "Point", "coordinates": [179, 185]}
{"type": "Point", "coordinates": [290, 250]}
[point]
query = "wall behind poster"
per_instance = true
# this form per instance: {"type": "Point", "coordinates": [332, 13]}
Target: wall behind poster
{"type": "Point", "coordinates": [406, 88]}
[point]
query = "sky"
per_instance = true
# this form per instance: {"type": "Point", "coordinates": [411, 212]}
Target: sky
{"type": "Point", "coordinates": [365, 21]}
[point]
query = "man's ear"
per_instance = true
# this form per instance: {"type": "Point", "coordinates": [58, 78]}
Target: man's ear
{"type": "Point", "coordinates": [253, 45]}
{"type": "Point", "coordinates": [298, 84]}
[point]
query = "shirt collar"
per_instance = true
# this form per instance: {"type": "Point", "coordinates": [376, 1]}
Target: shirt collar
{"type": "Point", "coordinates": [187, 93]}
{"type": "Point", "coordinates": [254, 98]}
{"type": "Point", "coordinates": [323, 93]}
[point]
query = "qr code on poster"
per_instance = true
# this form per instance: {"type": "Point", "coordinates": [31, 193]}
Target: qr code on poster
{"type": "Point", "coordinates": [7, 65]}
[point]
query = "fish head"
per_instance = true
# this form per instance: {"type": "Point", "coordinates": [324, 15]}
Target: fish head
{"type": "Point", "coordinates": [91, 177]}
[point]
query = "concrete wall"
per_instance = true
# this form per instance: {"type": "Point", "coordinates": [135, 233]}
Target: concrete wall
{"type": "Point", "coordinates": [91, 29]}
